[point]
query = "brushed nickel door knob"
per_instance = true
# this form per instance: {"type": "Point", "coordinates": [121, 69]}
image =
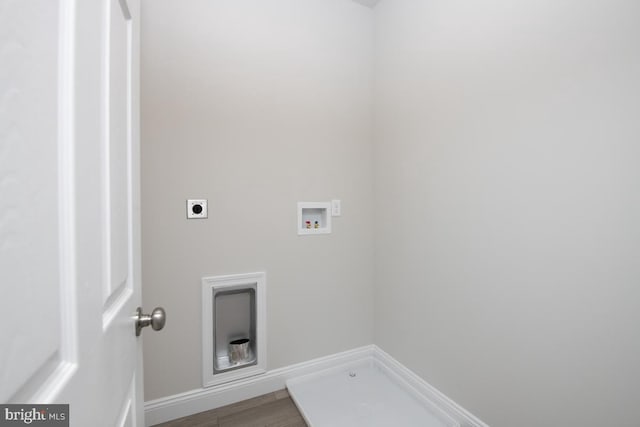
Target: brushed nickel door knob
{"type": "Point", "coordinates": [156, 319]}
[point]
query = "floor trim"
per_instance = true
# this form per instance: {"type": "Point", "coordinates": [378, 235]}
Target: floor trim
{"type": "Point", "coordinates": [191, 402]}
{"type": "Point", "coordinates": [423, 391]}
{"type": "Point", "coordinates": [204, 399]}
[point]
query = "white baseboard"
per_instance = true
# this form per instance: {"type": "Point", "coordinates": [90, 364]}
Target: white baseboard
{"type": "Point", "coordinates": [199, 400]}
{"type": "Point", "coordinates": [203, 399]}
{"type": "Point", "coordinates": [423, 391]}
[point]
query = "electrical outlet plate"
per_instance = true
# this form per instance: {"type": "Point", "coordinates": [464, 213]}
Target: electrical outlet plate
{"type": "Point", "coordinates": [197, 209]}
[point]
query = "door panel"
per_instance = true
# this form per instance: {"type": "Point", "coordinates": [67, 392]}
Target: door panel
{"type": "Point", "coordinates": [69, 209]}
{"type": "Point", "coordinates": [35, 240]}
{"type": "Point", "coordinates": [127, 415]}
{"type": "Point", "coordinates": [117, 147]}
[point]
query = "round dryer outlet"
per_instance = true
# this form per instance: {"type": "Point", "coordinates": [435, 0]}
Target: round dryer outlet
{"type": "Point", "coordinates": [197, 208]}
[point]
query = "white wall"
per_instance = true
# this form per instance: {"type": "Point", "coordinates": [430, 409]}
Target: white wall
{"type": "Point", "coordinates": [255, 106]}
{"type": "Point", "coordinates": [508, 190]}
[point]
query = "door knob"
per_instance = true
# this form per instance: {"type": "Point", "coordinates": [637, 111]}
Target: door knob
{"type": "Point", "coordinates": [156, 319]}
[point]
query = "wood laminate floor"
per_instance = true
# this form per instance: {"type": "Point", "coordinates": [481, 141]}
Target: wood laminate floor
{"type": "Point", "coordinates": [270, 410]}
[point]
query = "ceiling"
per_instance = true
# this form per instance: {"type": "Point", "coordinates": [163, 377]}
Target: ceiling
{"type": "Point", "coordinates": [368, 3]}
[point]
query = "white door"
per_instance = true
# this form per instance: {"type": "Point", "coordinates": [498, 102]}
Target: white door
{"type": "Point", "coordinates": [69, 210]}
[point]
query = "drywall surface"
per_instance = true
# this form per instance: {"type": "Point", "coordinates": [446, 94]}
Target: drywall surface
{"type": "Point", "coordinates": [255, 106]}
{"type": "Point", "coordinates": [508, 190]}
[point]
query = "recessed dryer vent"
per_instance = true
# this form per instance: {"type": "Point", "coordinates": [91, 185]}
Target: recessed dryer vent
{"type": "Point", "coordinates": [233, 340]}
